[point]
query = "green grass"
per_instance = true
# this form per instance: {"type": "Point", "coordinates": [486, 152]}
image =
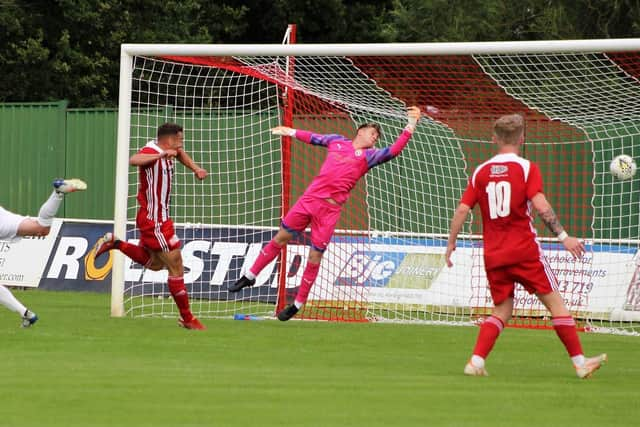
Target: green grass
{"type": "Point", "coordinates": [79, 367]}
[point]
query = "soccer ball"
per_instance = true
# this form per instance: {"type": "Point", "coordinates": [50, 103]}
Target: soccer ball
{"type": "Point", "coordinates": [623, 167]}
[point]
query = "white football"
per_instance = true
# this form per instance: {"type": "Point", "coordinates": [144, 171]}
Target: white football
{"type": "Point", "coordinates": [623, 167]}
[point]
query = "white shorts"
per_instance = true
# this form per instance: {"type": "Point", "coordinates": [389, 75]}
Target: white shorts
{"type": "Point", "coordinates": [9, 223]}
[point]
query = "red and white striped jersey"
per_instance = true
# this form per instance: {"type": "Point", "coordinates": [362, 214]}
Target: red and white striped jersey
{"type": "Point", "coordinates": [503, 186]}
{"type": "Point", "coordinates": [154, 190]}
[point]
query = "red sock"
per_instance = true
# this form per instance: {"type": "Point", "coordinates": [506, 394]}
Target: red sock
{"type": "Point", "coordinates": [135, 252]}
{"type": "Point", "coordinates": [565, 327]}
{"type": "Point", "coordinates": [267, 254]}
{"type": "Point", "coordinates": [308, 277]}
{"type": "Point", "coordinates": [180, 296]}
{"type": "Point", "coordinates": [489, 332]}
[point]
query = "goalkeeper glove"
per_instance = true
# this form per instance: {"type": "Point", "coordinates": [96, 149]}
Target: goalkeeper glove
{"type": "Point", "coordinates": [283, 131]}
{"type": "Point", "coordinates": [412, 120]}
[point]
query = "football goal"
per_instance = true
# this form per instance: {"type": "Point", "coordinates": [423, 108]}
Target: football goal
{"type": "Point", "coordinates": [581, 102]}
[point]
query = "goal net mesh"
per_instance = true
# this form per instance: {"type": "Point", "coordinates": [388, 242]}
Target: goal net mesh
{"type": "Point", "coordinates": [386, 259]}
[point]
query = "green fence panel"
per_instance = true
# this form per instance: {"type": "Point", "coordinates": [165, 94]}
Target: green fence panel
{"type": "Point", "coordinates": [91, 156]}
{"type": "Point", "coordinates": [32, 137]}
{"type": "Point", "coordinates": [41, 141]}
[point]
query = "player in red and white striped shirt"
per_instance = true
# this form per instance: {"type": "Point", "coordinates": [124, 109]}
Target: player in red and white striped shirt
{"type": "Point", "coordinates": [506, 187]}
{"type": "Point", "coordinates": [159, 246]}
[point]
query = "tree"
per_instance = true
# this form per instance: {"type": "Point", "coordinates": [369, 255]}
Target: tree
{"type": "Point", "coordinates": [70, 49]}
{"type": "Point", "coordinates": [488, 20]}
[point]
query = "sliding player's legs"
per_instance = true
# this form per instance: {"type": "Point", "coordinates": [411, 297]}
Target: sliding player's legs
{"type": "Point", "coordinates": [14, 226]}
{"type": "Point", "coordinates": [40, 226]}
{"type": "Point", "coordinates": [11, 302]}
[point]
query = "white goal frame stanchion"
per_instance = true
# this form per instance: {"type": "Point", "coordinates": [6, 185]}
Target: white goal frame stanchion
{"type": "Point", "coordinates": [122, 181]}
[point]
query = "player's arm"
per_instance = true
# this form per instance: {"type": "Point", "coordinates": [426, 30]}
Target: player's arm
{"type": "Point", "coordinates": [186, 160]}
{"type": "Point", "coordinates": [550, 219]}
{"type": "Point", "coordinates": [144, 159]}
{"type": "Point", "coordinates": [377, 157]}
{"type": "Point", "coordinates": [458, 220]}
{"type": "Point", "coordinates": [306, 136]}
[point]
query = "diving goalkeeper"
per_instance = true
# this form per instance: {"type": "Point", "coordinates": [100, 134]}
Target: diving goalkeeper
{"type": "Point", "coordinates": [320, 205]}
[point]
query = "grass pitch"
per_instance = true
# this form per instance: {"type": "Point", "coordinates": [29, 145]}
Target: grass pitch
{"type": "Point", "coordinates": [79, 367]}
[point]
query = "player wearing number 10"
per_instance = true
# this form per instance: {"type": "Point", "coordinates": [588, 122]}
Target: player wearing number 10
{"type": "Point", "coordinates": [506, 187]}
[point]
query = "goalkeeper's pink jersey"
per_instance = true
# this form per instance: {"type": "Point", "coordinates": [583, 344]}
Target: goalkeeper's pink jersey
{"type": "Point", "coordinates": [345, 165]}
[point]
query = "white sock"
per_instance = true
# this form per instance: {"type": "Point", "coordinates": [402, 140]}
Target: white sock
{"type": "Point", "coordinates": [578, 360]}
{"type": "Point", "coordinates": [249, 275]}
{"type": "Point", "coordinates": [298, 304]}
{"type": "Point", "coordinates": [49, 209]}
{"type": "Point", "coordinates": [8, 300]}
{"type": "Point", "coordinates": [477, 361]}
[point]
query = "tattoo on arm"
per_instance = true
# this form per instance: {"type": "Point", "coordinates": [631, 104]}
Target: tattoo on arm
{"type": "Point", "coordinates": [551, 221]}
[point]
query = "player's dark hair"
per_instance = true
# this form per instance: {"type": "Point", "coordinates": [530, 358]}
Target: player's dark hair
{"type": "Point", "coordinates": [169, 129]}
{"type": "Point", "coordinates": [371, 125]}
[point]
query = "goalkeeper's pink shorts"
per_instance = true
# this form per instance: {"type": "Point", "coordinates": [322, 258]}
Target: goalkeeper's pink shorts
{"type": "Point", "coordinates": [322, 215]}
{"type": "Point", "coordinates": [535, 276]}
{"type": "Point", "coordinates": [157, 236]}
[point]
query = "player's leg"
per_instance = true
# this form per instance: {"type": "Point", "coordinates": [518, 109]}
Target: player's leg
{"type": "Point", "coordinates": [295, 221]}
{"type": "Point", "coordinates": [11, 302]}
{"type": "Point", "coordinates": [323, 223]}
{"type": "Point", "coordinates": [150, 236]}
{"type": "Point", "coordinates": [177, 288]}
{"type": "Point", "coordinates": [40, 226]}
{"type": "Point", "coordinates": [31, 227]}
{"type": "Point", "coordinates": [501, 286]}
{"type": "Point", "coordinates": [565, 327]}
{"type": "Point", "coordinates": [155, 263]}
{"type": "Point", "coordinates": [171, 256]}
{"type": "Point", "coordinates": [308, 278]}
{"type": "Point", "coordinates": [267, 254]}
{"type": "Point", "coordinates": [10, 224]}
{"type": "Point", "coordinates": [537, 277]}
{"type": "Point", "coordinates": [138, 253]}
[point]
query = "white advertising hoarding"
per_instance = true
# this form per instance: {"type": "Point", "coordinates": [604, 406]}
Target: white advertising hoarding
{"type": "Point", "coordinates": [22, 261]}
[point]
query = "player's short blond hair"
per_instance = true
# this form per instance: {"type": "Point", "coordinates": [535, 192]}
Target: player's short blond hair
{"type": "Point", "coordinates": [509, 129]}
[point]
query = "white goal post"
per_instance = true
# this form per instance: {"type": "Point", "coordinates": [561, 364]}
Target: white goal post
{"type": "Point", "coordinates": [581, 102]}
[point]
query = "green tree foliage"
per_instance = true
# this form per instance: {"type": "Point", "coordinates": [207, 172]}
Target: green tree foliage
{"type": "Point", "coordinates": [489, 20]}
{"type": "Point", "coordinates": [70, 49]}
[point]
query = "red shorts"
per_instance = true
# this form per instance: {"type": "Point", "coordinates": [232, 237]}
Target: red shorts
{"type": "Point", "coordinates": [535, 276]}
{"type": "Point", "coordinates": [322, 215]}
{"type": "Point", "coordinates": [157, 237]}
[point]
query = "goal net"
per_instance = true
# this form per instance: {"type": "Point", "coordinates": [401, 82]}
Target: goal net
{"type": "Point", "coordinates": [581, 102]}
